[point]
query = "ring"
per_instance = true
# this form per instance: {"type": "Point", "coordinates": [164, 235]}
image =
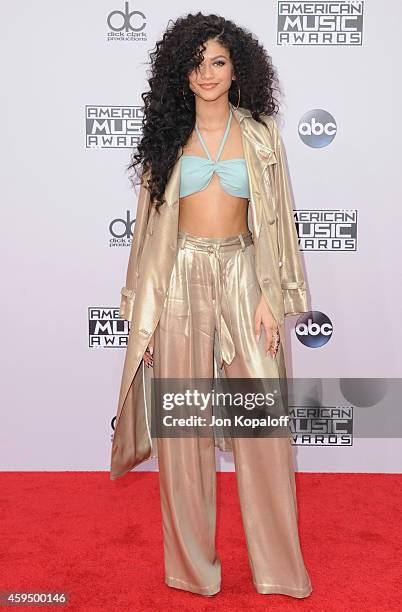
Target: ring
{"type": "Point", "coordinates": [275, 337]}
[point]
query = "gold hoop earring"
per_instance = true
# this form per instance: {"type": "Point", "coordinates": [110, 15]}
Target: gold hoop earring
{"type": "Point", "coordinates": [238, 95]}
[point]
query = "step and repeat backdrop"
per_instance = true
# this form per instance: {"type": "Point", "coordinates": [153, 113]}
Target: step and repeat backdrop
{"type": "Point", "coordinates": [72, 81]}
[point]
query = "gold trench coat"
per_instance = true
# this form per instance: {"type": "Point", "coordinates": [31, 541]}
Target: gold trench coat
{"type": "Point", "coordinates": [151, 260]}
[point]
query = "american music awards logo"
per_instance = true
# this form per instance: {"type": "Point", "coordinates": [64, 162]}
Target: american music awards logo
{"type": "Point", "coordinates": [326, 229]}
{"type": "Point", "coordinates": [113, 127]}
{"type": "Point", "coordinates": [106, 329]}
{"type": "Point", "coordinates": [320, 23]}
{"type": "Point", "coordinates": [321, 425]}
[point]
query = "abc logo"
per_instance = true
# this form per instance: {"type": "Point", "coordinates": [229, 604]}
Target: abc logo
{"type": "Point", "coordinates": [317, 128]}
{"type": "Point", "coordinates": [313, 329]}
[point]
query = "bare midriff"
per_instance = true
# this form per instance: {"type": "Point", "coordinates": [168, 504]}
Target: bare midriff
{"type": "Point", "coordinates": [213, 213]}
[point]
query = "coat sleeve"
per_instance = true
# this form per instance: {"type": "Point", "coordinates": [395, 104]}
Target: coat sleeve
{"type": "Point", "coordinates": [141, 221]}
{"type": "Point", "coordinates": [293, 283]}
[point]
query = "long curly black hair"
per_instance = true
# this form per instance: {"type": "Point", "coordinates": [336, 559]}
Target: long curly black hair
{"type": "Point", "coordinates": [169, 118]}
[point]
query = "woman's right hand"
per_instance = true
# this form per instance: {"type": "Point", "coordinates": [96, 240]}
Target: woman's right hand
{"type": "Point", "coordinates": [148, 355]}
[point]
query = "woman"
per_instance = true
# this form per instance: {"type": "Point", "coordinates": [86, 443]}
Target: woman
{"type": "Point", "coordinates": [200, 284]}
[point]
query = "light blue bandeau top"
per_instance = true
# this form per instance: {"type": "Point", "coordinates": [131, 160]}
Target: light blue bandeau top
{"type": "Point", "coordinates": [196, 171]}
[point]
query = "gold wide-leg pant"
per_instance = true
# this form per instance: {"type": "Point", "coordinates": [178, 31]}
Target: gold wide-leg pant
{"type": "Point", "coordinates": [209, 311]}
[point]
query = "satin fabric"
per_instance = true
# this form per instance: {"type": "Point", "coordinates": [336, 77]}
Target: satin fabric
{"type": "Point", "coordinates": [214, 287]}
{"type": "Point", "coordinates": [221, 290]}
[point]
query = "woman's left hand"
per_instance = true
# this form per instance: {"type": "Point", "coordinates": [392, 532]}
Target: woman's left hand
{"type": "Point", "coordinates": [263, 316]}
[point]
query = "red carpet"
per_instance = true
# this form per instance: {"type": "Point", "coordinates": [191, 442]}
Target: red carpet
{"type": "Point", "coordinates": [101, 541]}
